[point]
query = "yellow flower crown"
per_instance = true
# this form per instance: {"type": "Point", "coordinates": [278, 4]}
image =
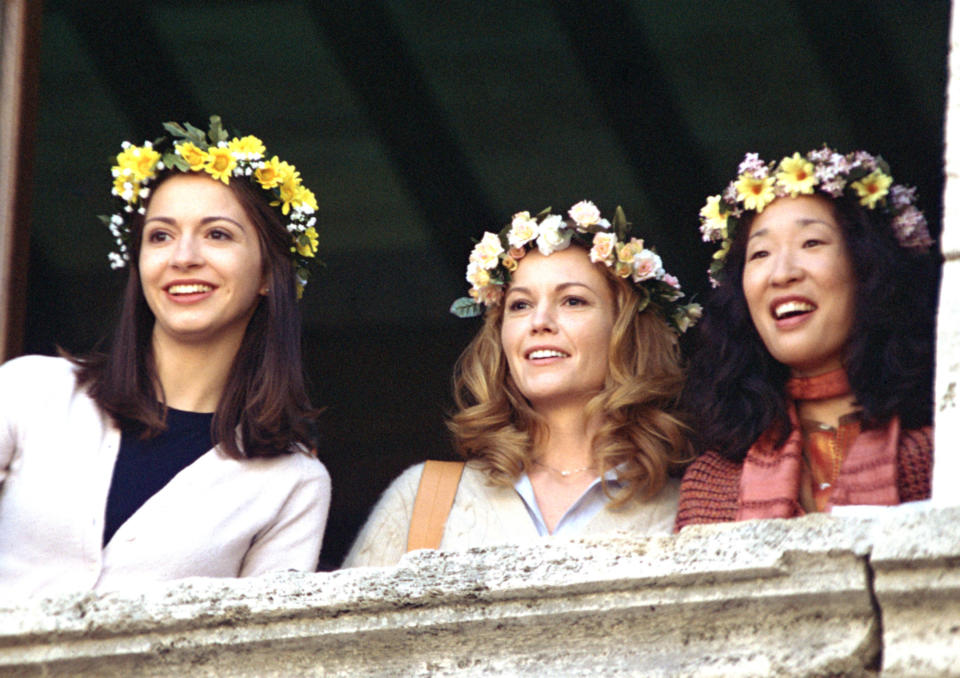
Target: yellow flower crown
{"type": "Point", "coordinates": [858, 174]}
{"type": "Point", "coordinates": [223, 158]}
{"type": "Point", "coordinates": [496, 257]}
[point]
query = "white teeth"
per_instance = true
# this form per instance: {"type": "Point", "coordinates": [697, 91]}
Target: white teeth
{"type": "Point", "coordinates": [546, 353]}
{"type": "Point", "coordinates": [189, 289]}
{"type": "Point", "coordinates": [792, 307]}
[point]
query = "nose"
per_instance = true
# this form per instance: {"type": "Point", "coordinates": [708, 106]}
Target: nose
{"type": "Point", "coordinates": [786, 268]}
{"type": "Point", "coordinates": [186, 252]}
{"type": "Point", "coordinates": [543, 318]}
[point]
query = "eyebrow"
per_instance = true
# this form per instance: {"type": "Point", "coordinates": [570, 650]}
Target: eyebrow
{"type": "Point", "coordinates": [559, 288]}
{"type": "Point", "coordinates": [204, 221]}
{"type": "Point", "coordinates": [801, 222]}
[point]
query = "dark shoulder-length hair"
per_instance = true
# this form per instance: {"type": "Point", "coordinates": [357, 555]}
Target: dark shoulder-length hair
{"type": "Point", "coordinates": [264, 409]}
{"type": "Point", "coordinates": [736, 389]}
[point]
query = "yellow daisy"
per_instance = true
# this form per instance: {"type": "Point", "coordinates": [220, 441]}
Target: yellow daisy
{"type": "Point", "coordinates": [129, 193]}
{"type": "Point", "coordinates": [250, 146]}
{"type": "Point", "coordinates": [307, 242]}
{"type": "Point", "coordinates": [289, 190]}
{"type": "Point", "coordinates": [306, 197]}
{"type": "Point", "coordinates": [795, 175]}
{"type": "Point", "coordinates": [139, 160]}
{"type": "Point", "coordinates": [269, 176]}
{"type": "Point", "coordinates": [714, 222]}
{"type": "Point", "coordinates": [872, 188]}
{"type": "Point", "coordinates": [220, 163]}
{"type": "Point", "coordinates": [754, 193]}
{"type": "Point", "coordinates": [195, 156]}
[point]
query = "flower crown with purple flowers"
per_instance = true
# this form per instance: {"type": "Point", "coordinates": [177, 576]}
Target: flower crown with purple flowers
{"type": "Point", "coordinates": [859, 175]}
{"type": "Point", "coordinates": [495, 257]}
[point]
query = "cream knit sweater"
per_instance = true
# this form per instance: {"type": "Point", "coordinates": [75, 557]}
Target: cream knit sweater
{"type": "Point", "coordinates": [484, 514]}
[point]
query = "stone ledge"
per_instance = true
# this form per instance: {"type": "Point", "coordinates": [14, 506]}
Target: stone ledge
{"type": "Point", "coordinates": [757, 598]}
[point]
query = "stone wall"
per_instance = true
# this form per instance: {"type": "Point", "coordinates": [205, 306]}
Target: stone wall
{"type": "Point", "coordinates": [816, 596]}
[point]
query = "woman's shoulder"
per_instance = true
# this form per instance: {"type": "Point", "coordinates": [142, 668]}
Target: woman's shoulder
{"type": "Point", "coordinates": [709, 490]}
{"type": "Point", "coordinates": [298, 465]}
{"type": "Point", "coordinates": [25, 378]}
{"type": "Point", "coordinates": [34, 366]}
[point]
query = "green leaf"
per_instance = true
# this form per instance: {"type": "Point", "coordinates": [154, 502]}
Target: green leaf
{"type": "Point", "coordinates": [620, 219]}
{"type": "Point", "coordinates": [217, 133]}
{"type": "Point", "coordinates": [105, 218]}
{"type": "Point", "coordinates": [172, 160]}
{"type": "Point", "coordinates": [197, 136]}
{"type": "Point", "coordinates": [544, 212]}
{"type": "Point", "coordinates": [175, 129]}
{"type": "Point", "coordinates": [644, 295]}
{"type": "Point", "coordinates": [465, 307]}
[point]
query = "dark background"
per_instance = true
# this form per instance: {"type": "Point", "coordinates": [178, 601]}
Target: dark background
{"type": "Point", "coordinates": [420, 124]}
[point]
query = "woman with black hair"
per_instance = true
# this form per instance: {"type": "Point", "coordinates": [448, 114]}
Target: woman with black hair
{"type": "Point", "coordinates": [185, 450]}
{"type": "Point", "coordinates": [812, 380]}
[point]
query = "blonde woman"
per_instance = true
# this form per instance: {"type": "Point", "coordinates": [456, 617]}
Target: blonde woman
{"type": "Point", "coordinates": [566, 397]}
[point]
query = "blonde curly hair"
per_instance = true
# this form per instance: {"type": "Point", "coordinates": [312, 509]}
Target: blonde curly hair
{"type": "Point", "coordinates": [642, 431]}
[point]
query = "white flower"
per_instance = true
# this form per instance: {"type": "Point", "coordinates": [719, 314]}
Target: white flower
{"type": "Point", "coordinates": [487, 251]}
{"type": "Point", "coordinates": [553, 236]}
{"type": "Point", "coordinates": [647, 264]}
{"type": "Point", "coordinates": [477, 275]}
{"type": "Point", "coordinates": [116, 261]}
{"type": "Point", "coordinates": [523, 229]}
{"type": "Point", "coordinates": [687, 316]}
{"type": "Point", "coordinates": [585, 214]}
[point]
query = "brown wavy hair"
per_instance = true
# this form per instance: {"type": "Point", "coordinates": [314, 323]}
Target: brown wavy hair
{"type": "Point", "coordinates": [641, 428]}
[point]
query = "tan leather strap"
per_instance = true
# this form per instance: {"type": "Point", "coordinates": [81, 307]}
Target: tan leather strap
{"type": "Point", "coordinates": [438, 487]}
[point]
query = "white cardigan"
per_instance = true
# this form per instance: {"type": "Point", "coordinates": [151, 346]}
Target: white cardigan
{"type": "Point", "coordinates": [218, 517]}
{"type": "Point", "coordinates": [484, 514]}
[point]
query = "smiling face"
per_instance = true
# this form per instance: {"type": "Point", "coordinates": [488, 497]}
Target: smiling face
{"type": "Point", "coordinates": [557, 321]}
{"type": "Point", "coordinates": [799, 284]}
{"type": "Point", "coordinates": [200, 261]}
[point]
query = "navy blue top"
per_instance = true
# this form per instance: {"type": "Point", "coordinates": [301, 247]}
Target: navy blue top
{"type": "Point", "coordinates": [144, 466]}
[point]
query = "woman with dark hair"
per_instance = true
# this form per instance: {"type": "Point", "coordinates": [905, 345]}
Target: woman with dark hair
{"type": "Point", "coordinates": [566, 397]}
{"type": "Point", "coordinates": [184, 450]}
{"type": "Point", "coordinates": [812, 380]}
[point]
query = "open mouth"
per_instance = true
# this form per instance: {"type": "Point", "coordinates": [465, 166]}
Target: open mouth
{"type": "Point", "coordinates": [541, 353]}
{"type": "Point", "coordinates": [792, 309]}
{"type": "Point", "coordinates": [192, 288]}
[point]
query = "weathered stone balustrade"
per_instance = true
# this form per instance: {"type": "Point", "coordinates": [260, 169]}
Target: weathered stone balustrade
{"type": "Point", "coordinates": [815, 596]}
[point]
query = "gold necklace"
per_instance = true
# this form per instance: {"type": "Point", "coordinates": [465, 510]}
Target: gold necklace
{"type": "Point", "coordinates": [564, 473]}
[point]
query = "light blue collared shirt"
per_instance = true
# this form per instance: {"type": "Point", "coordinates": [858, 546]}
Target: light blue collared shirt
{"type": "Point", "coordinates": [572, 522]}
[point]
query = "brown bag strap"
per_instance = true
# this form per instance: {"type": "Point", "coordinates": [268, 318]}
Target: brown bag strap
{"type": "Point", "coordinates": [438, 487]}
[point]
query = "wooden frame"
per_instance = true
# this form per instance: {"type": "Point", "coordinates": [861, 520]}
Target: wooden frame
{"type": "Point", "coordinates": [19, 75]}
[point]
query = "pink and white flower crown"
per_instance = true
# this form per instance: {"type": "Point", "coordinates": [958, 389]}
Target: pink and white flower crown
{"type": "Point", "coordinates": [858, 174]}
{"type": "Point", "coordinates": [495, 257]}
{"type": "Point", "coordinates": [216, 154]}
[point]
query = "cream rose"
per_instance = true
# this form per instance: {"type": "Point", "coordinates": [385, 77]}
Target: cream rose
{"type": "Point", "coordinates": [646, 265]}
{"type": "Point", "coordinates": [585, 214]}
{"type": "Point", "coordinates": [553, 237]}
{"type": "Point", "coordinates": [487, 251]}
{"type": "Point", "coordinates": [523, 229]}
{"type": "Point", "coordinates": [604, 245]}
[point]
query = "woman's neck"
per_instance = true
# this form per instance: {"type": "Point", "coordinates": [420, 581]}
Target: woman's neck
{"type": "Point", "coordinates": [569, 440]}
{"type": "Point", "coordinates": [193, 376]}
{"type": "Point", "coordinates": [823, 398]}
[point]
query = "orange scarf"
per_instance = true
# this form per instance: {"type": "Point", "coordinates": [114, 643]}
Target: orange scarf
{"type": "Point", "coordinates": [770, 481]}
